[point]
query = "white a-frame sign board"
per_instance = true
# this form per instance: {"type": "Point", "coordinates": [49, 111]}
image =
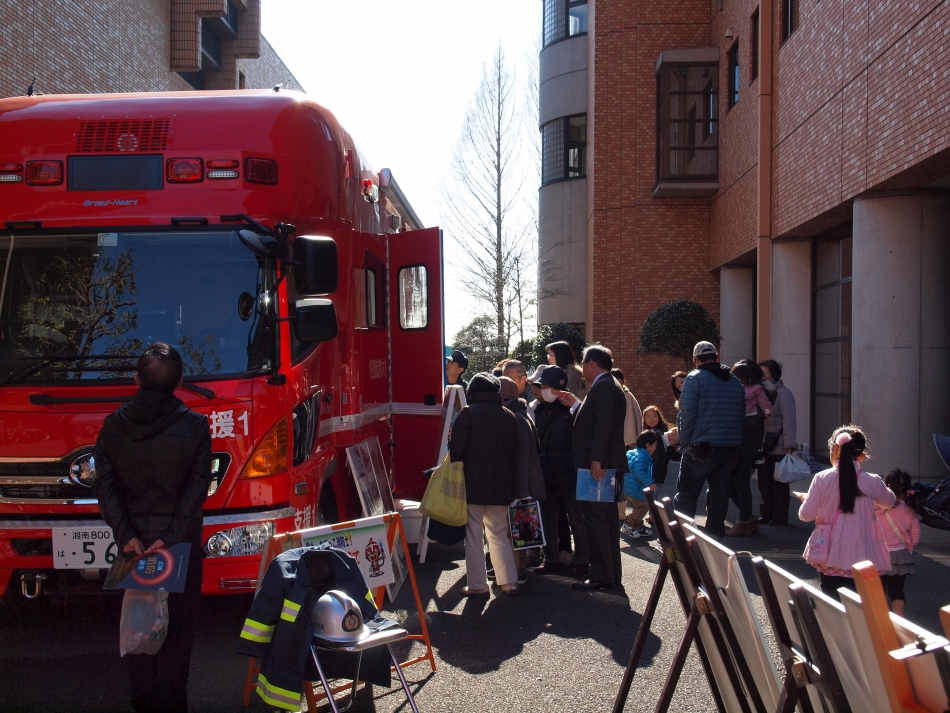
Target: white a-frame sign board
{"type": "Point", "coordinates": [453, 401]}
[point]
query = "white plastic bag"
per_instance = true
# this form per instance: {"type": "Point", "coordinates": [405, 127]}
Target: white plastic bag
{"type": "Point", "coordinates": [144, 621]}
{"type": "Point", "coordinates": [791, 468]}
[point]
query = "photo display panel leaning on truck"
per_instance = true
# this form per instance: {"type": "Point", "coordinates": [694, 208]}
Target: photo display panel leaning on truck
{"type": "Point", "coordinates": [244, 229]}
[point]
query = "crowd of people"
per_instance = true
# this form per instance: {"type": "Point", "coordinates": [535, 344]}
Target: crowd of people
{"type": "Point", "coordinates": [529, 436]}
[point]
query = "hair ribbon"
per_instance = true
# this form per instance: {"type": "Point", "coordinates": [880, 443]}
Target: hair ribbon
{"type": "Point", "coordinates": [842, 438]}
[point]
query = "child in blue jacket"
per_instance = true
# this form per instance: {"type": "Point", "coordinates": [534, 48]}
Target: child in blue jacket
{"type": "Point", "coordinates": [640, 476]}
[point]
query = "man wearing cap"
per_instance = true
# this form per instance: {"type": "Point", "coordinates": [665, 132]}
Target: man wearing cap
{"type": "Point", "coordinates": [455, 366]}
{"type": "Point", "coordinates": [712, 407]}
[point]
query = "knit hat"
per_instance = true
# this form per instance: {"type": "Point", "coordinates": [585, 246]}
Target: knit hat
{"type": "Point", "coordinates": [459, 358]}
{"type": "Point", "coordinates": [509, 390]}
{"type": "Point", "coordinates": [484, 383]}
{"type": "Point", "coordinates": [553, 376]}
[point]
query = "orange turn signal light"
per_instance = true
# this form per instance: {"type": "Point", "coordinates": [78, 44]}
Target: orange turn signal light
{"type": "Point", "coordinates": [272, 455]}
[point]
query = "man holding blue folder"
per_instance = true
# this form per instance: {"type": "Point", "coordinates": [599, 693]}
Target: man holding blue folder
{"type": "Point", "coordinates": [599, 446]}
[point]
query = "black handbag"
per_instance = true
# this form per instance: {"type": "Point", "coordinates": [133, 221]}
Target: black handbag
{"type": "Point", "coordinates": [771, 441]}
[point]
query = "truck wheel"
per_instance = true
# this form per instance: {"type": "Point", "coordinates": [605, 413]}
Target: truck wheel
{"type": "Point", "coordinates": [327, 512]}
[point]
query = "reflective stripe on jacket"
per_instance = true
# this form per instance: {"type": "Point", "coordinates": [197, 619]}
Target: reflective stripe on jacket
{"type": "Point", "coordinates": [278, 629]}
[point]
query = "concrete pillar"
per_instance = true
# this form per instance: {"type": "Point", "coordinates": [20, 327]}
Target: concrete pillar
{"type": "Point", "coordinates": [790, 328]}
{"type": "Point", "coordinates": [737, 313]}
{"type": "Point", "coordinates": [901, 328]}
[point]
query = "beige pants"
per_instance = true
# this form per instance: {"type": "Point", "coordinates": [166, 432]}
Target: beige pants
{"type": "Point", "coordinates": [489, 522]}
{"type": "Point", "coordinates": [638, 510]}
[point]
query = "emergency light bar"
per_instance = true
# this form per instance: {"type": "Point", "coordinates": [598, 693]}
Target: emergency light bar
{"type": "Point", "coordinates": [144, 172]}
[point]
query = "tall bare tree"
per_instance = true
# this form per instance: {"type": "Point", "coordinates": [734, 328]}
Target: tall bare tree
{"type": "Point", "coordinates": [483, 203]}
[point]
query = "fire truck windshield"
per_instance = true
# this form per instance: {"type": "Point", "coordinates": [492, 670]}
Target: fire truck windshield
{"type": "Point", "coordinates": [83, 307]}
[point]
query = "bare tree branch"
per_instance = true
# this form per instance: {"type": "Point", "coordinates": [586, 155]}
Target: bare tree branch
{"type": "Point", "coordinates": [488, 204]}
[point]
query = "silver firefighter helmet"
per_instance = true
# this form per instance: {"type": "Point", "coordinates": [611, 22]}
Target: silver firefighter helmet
{"type": "Point", "coordinates": [337, 617]}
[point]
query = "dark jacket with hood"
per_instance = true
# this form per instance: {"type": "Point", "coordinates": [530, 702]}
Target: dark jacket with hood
{"type": "Point", "coordinates": [555, 423]}
{"type": "Point", "coordinates": [530, 480]}
{"type": "Point", "coordinates": [485, 438]}
{"type": "Point", "coordinates": [712, 407]}
{"type": "Point", "coordinates": [153, 460]}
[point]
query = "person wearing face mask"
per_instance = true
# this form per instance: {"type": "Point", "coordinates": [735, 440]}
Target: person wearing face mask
{"type": "Point", "coordinates": [554, 424]}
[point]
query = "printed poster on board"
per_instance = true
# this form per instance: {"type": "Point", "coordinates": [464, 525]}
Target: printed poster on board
{"type": "Point", "coordinates": [365, 542]}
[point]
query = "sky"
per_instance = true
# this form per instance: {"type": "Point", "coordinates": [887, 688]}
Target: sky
{"type": "Point", "coordinates": [399, 76]}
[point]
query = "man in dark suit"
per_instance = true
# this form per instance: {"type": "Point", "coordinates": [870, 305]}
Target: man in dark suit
{"type": "Point", "coordinates": [598, 445]}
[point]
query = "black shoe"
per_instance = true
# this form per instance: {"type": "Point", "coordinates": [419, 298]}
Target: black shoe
{"type": "Point", "coordinates": [548, 568]}
{"type": "Point", "coordinates": [491, 574]}
{"type": "Point", "coordinates": [580, 571]}
{"type": "Point", "coordinates": [590, 584]}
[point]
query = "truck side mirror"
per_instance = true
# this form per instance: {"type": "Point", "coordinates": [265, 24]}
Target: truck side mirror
{"type": "Point", "coordinates": [316, 320]}
{"type": "Point", "coordinates": [316, 271]}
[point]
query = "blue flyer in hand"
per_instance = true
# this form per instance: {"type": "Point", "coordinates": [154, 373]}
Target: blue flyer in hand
{"type": "Point", "coordinates": [163, 569]}
{"type": "Point", "coordinates": [602, 491]}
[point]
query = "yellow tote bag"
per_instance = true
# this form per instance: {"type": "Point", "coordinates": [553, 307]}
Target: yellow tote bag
{"type": "Point", "coordinates": [444, 499]}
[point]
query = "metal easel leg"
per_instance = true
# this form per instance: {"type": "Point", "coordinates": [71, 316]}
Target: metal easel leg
{"type": "Point", "coordinates": [402, 680]}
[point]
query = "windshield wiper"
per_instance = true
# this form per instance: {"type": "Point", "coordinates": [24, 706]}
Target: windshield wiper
{"type": "Point", "coordinates": [38, 362]}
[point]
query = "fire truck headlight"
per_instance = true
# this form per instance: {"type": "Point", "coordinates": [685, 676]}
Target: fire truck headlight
{"type": "Point", "coordinates": [242, 540]}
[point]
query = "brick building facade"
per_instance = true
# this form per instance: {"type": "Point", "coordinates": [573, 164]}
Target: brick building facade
{"type": "Point", "coordinates": [822, 239]}
{"type": "Point", "coordinates": [152, 45]}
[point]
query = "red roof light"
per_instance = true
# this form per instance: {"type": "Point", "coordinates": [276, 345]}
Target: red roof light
{"type": "Point", "coordinates": [11, 167]}
{"type": "Point", "coordinates": [223, 163]}
{"type": "Point", "coordinates": [260, 170]}
{"type": "Point", "coordinates": [44, 173]}
{"type": "Point", "coordinates": [184, 170]}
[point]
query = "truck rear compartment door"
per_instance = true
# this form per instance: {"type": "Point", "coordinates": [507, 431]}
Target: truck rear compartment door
{"type": "Point", "coordinates": [417, 367]}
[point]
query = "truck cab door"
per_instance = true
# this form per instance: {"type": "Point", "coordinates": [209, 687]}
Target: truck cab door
{"type": "Point", "coordinates": [417, 365]}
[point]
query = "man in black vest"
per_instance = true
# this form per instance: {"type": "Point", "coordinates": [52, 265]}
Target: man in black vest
{"type": "Point", "coordinates": [153, 463]}
{"type": "Point", "coordinates": [598, 445]}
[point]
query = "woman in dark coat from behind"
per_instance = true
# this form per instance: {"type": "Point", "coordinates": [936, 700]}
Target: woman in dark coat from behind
{"type": "Point", "coordinates": [485, 438]}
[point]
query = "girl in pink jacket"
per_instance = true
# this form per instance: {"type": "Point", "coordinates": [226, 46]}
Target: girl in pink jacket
{"type": "Point", "coordinates": [901, 535]}
{"type": "Point", "coordinates": [844, 497]}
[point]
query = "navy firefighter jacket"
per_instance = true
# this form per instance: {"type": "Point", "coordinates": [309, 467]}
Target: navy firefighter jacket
{"type": "Point", "coordinates": [279, 632]}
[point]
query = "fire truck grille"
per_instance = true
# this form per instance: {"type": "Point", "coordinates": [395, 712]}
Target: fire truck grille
{"type": "Point", "coordinates": [131, 135]}
{"type": "Point", "coordinates": [40, 481]}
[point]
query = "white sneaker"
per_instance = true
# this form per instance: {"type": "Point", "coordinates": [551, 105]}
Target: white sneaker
{"type": "Point", "coordinates": [629, 531]}
{"type": "Point", "coordinates": [644, 531]}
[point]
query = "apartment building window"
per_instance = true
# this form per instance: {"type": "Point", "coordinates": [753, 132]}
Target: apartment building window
{"type": "Point", "coordinates": [564, 149]}
{"type": "Point", "coordinates": [734, 75]}
{"type": "Point", "coordinates": [754, 46]}
{"type": "Point", "coordinates": [687, 123]}
{"type": "Point", "coordinates": [210, 47]}
{"type": "Point", "coordinates": [789, 18]}
{"type": "Point", "coordinates": [831, 338]}
{"type": "Point", "coordinates": [563, 19]}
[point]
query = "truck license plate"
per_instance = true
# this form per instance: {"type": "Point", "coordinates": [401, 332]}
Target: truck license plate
{"type": "Point", "coordinates": [83, 548]}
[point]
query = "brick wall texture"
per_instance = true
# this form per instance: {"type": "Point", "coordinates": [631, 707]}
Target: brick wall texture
{"type": "Point", "coordinates": [860, 96]}
{"type": "Point", "coordinates": [642, 252]}
{"type": "Point", "coordinates": [119, 46]}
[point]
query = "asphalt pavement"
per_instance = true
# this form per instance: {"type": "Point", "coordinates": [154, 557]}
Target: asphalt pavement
{"type": "Point", "coordinates": [550, 649]}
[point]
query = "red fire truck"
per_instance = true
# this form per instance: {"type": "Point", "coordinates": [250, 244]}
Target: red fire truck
{"type": "Point", "coordinates": [245, 229]}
